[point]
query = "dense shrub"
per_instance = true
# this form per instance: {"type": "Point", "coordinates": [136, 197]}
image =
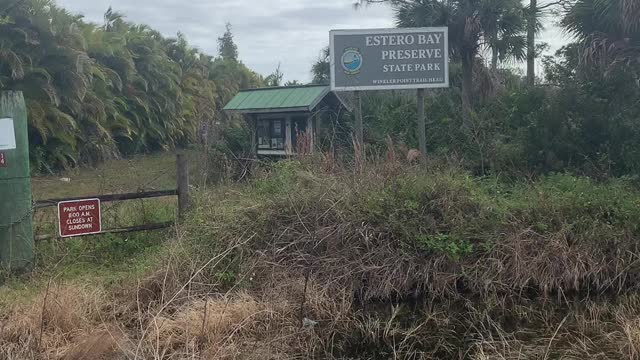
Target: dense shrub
{"type": "Point", "coordinates": [582, 120]}
{"type": "Point", "coordinates": [474, 258]}
{"type": "Point", "coordinates": [446, 217]}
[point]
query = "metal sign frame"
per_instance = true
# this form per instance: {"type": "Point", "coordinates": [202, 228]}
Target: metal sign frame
{"type": "Point", "coordinates": [333, 58]}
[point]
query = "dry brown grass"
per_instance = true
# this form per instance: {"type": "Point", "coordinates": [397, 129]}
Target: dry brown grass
{"type": "Point", "coordinates": [79, 324]}
{"type": "Point", "coordinates": [324, 269]}
{"type": "Point", "coordinates": [218, 325]}
{"type": "Point", "coordinates": [110, 343]}
{"type": "Point", "coordinates": [53, 320]}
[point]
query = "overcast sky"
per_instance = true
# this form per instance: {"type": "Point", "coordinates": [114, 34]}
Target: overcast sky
{"type": "Point", "coordinates": [267, 32]}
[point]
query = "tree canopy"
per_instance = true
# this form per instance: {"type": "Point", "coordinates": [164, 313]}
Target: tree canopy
{"type": "Point", "coordinates": [581, 115]}
{"type": "Point", "coordinates": [99, 91]}
{"type": "Point", "coordinates": [473, 25]}
{"type": "Point", "coordinates": [227, 48]}
{"type": "Point", "coordinates": [609, 31]}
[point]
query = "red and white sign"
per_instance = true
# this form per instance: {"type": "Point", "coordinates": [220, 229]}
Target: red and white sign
{"type": "Point", "coordinates": [3, 160]}
{"type": "Point", "coordinates": [79, 217]}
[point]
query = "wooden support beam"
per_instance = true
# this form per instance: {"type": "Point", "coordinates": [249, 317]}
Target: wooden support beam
{"type": "Point", "coordinates": [40, 204]}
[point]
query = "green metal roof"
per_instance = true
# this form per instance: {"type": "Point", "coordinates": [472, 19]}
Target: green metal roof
{"type": "Point", "coordinates": [291, 98]}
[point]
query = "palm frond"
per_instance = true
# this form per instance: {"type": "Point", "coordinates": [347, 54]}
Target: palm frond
{"type": "Point", "coordinates": [13, 61]}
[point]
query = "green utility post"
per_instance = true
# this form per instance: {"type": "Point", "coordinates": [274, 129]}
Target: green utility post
{"type": "Point", "coordinates": [16, 232]}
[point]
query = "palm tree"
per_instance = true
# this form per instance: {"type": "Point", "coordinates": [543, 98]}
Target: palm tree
{"type": "Point", "coordinates": [608, 30]}
{"type": "Point", "coordinates": [95, 92]}
{"type": "Point", "coordinates": [473, 24]}
{"type": "Point", "coordinates": [52, 69]}
{"type": "Point", "coordinates": [504, 33]}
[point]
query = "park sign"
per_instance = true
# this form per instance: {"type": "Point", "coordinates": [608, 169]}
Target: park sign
{"type": "Point", "coordinates": [387, 59]}
{"type": "Point", "coordinates": [79, 217]}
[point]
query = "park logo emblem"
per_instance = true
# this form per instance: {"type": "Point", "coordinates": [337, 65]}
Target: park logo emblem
{"type": "Point", "coordinates": [351, 61]}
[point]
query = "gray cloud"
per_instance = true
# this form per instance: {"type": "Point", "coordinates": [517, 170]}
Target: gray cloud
{"type": "Point", "coordinates": [268, 32]}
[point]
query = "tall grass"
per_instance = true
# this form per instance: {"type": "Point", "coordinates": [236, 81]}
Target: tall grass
{"type": "Point", "coordinates": [385, 261]}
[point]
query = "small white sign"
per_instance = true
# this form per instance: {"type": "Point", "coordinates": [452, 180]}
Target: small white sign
{"type": "Point", "coordinates": [7, 135]}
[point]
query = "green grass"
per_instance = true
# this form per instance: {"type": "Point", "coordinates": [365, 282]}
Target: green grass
{"type": "Point", "coordinates": [146, 172]}
{"type": "Point", "coordinates": [141, 173]}
{"type": "Point", "coordinates": [103, 260]}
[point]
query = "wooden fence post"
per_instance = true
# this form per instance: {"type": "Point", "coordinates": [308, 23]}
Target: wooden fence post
{"type": "Point", "coordinates": [183, 184]}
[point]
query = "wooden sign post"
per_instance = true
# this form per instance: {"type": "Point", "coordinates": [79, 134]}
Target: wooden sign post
{"type": "Point", "coordinates": [359, 122]}
{"type": "Point", "coordinates": [422, 127]}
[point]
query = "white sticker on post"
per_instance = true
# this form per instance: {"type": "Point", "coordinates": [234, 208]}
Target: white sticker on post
{"type": "Point", "coordinates": [7, 135]}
